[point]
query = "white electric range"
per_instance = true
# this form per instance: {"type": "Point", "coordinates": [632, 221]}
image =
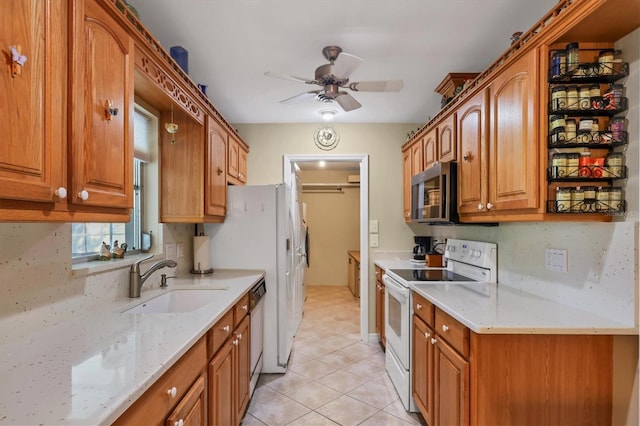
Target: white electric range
{"type": "Point", "coordinates": [472, 264]}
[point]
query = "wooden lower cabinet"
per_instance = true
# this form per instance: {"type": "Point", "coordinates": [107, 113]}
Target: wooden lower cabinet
{"type": "Point", "coordinates": [242, 365]}
{"type": "Point", "coordinates": [221, 381]}
{"type": "Point", "coordinates": [192, 409]}
{"type": "Point", "coordinates": [380, 290]}
{"type": "Point", "coordinates": [462, 378]}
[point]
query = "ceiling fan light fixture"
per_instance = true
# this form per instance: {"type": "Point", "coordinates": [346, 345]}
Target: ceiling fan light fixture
{"type": "Point", "coordinates": [328, 114]}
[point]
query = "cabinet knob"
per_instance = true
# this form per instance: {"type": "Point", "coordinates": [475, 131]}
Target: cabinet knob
{"type": "Point", "coordinates": [239, 336]}
{"type": "Point", "coordinates": [83, 195]}
{"type": "Point", "coordinates": [489, 206]}
{"type": "Point", "coordinates": [179, 423]}
{"type": "Point", "coordinates": [226, 328]}
{"type": "Point", "coordinates": [433, 341]}
{"type": "Point", "coordinates": [418, 306]}
{"type": "Point", "coordinates": [219, 171]}
{"type": "Point", "coordinates": [480, 206]}
{"type": "Point", "coordinates": [17, 60]}
{"type": "Point", "coordinates": [245, 307]}
{"type": "Point", "coordinates": [445, 328]}
{"type": "Point", "coordinates": [61, 192]}
{"type": "Point", "coordinates": [427, 335]}
{"type": "Point", "coordinates": [172, 392]}
{"type": "Point", "coordinates": [110, 111]}
{"type": "Point", "coordinates": [235, 342]}
{"type": "Point", "coordinates": [467, 156]}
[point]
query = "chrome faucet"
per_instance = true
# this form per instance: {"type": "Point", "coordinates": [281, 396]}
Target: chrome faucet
{"type": "Point", "coordinates": [136, 279]}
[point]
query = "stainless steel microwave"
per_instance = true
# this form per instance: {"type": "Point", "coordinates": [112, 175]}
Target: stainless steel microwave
{"type": "Point", "coordinates": [434, 195]}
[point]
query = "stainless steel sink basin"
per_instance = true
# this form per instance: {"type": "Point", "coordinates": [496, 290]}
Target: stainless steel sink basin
{"type": "Point", "coordinates": [175, 301]}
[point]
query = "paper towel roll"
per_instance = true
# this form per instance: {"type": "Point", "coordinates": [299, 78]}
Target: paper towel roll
{"type": "Point", "coordinates": [201, 253]}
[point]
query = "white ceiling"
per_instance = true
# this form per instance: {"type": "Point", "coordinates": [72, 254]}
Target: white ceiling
{"type": "Point", "coordinates": [232, 43]}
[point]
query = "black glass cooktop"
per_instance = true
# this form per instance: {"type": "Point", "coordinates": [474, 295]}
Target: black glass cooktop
{"type": "Point", "coordinates": [429, 275]}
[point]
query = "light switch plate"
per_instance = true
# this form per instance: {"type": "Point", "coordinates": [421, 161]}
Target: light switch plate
{"type": "Point", "coordinates": [179, 250]}
{"type": "Point", "coordinates": [373, 240]}
{"type": "Point", "coordinates": [170, 251]}
{"type": "Point", "coordinates": [555, 260]}
{"type": "Point", "coordinates": [373, 226]}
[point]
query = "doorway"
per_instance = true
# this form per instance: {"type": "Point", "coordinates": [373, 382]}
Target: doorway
{"type": "Point", "coordinates": [363, 160]}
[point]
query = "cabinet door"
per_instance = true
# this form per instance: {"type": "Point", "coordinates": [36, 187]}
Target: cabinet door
{"type": "Point", "coordinates": [513, 162]}
{"type": "Point", "coordinates": [191, 409]}
{"type": "Point", "coordinates": [242, 362]}
{"type": "Point", "coordinates": [233, 158]}
{"type": "Point", "coordinates": [101, 83]}
{"type": "Point", "coordinates": [416, 159]}
{"type": "Point", "coordinates": [406, 184]}
{"type": "Point", "coordinates": [430, 148]}
{"type": "Point", "coordinates": [472, 170]}
{"type": "Point", "coordinates": [447, 139]}
{"type": "Point", "coordinates": [422, 368]}
{"type": "Point", "coordinates": [451, 386]}
{"type": "Point", "coordinates": [351, 279]}
{"type": "Point", "coordinates": [242, 164]}
{"type": "Point", "coordinates": [32, 111]}
{"type": "Point", "coordinates": [221, 387]}
{"type": "Point", "coordinates": [216, 189]}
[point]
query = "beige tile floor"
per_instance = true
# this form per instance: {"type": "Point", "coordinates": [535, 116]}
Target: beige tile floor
{"type": "Point", "coordinates": [333, 377]}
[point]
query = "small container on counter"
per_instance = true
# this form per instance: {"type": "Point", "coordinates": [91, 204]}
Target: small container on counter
{"type": "Point", "coordinates": [563, 199]}
{"type": "Point", "coordinates": [573, 100]}
{"type": "Point", "coordinates": [558, 98]}
{"type": "Point", "coordinates": [577, 199]}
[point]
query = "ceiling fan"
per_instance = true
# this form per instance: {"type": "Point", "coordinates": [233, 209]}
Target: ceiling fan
{"type": "Point", "coordinates": [334, 77]}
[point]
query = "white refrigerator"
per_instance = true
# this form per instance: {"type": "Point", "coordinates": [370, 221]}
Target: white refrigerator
{"type": "Point", "coordinates": [261, 231]}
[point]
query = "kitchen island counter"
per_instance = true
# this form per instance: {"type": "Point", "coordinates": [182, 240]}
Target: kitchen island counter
{"type": "Point", "coordinates": [89, 370]}
{"type": "Point", "coordinates": [509, 311]}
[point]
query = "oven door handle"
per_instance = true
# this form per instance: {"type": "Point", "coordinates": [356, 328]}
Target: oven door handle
{"type": "Point", "coordinates": [396, 288]}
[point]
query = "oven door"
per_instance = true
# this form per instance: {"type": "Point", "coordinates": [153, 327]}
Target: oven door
{"type": "Point", "coordinates": [398, 319]}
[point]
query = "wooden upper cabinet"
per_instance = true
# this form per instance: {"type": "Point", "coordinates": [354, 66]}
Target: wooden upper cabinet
{"type": "Point", "coordinates": [472, 171]}
{"type": "Point", "coordinates": [430, 149]}
{"type": "Point", "coordinates": [236, 161]}
{"type": "Point", "coordinates": [216, 195]}
{"type": "Point", "coordinates": [416, 159]}
{"type": "Point", "coordinates": [101, 112]}
{"type": "Point", "coordinates": [32, 112]}
{"type": "Point", "coordinates": [513, 140]}
{"type": "Point", "coordinates": [406, 184]}
{"type": "Point", "coordinates": [447, 139]}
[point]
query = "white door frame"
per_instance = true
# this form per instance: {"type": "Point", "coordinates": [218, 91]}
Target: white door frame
{"type": "Point", "coordinates": [363, 159]}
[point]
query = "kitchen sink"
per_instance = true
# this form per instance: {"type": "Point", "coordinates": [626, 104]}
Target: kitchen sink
{"type": "Point", "coordinates": [176, 301]}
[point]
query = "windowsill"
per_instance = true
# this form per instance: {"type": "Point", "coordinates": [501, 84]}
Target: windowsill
{"type": "Point", "coordinates": [96, 266]}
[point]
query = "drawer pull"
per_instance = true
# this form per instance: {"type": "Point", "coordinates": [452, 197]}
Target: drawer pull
{"type": "Point", "coordinates": [172, 392]}
{"type": "Point", "coordinates": [418, 306]}
{"type": "Point", "coordinates": [61, 192]}
{"type": "Point", "coordinates": [235, 342]}
{"type": "Point", "coordinates": [245, 307]}
{"type": "Point", "coordinates": [226, 328]}
{"type": "Point", "coordinates": [427, 335]}
{"type": "Point", "coordinates": [83, 195]}
{"type": "Point", "coordinates": [445, 328]}
{"type": "Point", "coordinates": [433, 341]}
{"type": "Point", "coordinates": [179, 423]}
{"type": "Point", "coordinates": [239, 336]}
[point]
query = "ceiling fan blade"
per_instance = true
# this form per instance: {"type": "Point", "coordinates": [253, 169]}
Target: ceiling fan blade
{"type": "Point", "coordinates": [289, 77]}
{"type": "Point", "coordinates": [347, 102]}
{"type": "Point", "coordinates": [377, 86]}
{"type": "Point", "coordinates": [301, 97]}
{"type": "Point", "coordinates": [345, 64]}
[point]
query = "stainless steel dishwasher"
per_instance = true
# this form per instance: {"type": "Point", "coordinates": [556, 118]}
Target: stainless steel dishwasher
{"type": "Point", "coordinates": [257, 331]}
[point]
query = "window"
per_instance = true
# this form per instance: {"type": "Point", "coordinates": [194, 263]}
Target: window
{"type": "Point", "coordinates": [87, 238]}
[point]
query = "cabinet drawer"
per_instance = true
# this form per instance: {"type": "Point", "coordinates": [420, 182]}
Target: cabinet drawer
{"type": "Point", "coordinates": [219, 333]}
{"type": "Point", "coordinates": [423, 309]}
{"type": "Point", "coordinates": [157, 402]}
{"type": "Point", "coordinates": [454, 332]}
{"type": "Point", "coordinates": [241, 309]}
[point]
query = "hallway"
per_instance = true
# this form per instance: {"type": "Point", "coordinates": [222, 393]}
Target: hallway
{"type": "Point", "coordinates": [333, 378]}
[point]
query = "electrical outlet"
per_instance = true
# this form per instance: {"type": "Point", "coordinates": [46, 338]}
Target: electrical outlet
{"type": "Point", "coordinates": [555, 260]}
{"type": "Point", "coordinates": [373, 240]}
{"type": "Point", "coordinates": [179, 250]}
{"type": "Point", "coordinates": [373, 226]}
{"type": "Point", "coordinates": [170, 251]}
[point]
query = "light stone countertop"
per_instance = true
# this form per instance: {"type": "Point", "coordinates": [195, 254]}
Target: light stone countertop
{"type": "Point", "coordinates": [510, 311]}
{"type": "Point", "coordinates": [91, 369]}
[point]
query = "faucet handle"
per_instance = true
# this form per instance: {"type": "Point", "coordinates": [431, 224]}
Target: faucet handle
{"type": "Point", "coordinates": [135, 266]}
{"type": "Point", "coordinates": [163, 279]}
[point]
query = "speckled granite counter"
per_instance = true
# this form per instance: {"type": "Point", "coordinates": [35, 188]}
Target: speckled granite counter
{"type": "Point", "coordinates": [91, 369]}
{"type": "Point", "coordinates": [510, 311]}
